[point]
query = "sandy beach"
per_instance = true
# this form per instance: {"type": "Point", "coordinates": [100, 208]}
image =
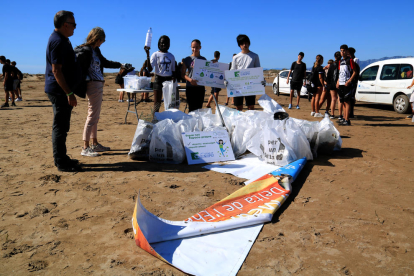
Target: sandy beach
{"type": "Point", "coordinates": [350, 213]}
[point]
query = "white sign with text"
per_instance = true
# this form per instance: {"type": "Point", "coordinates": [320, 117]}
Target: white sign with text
{"type": "Point", "coordinates": [205, 147]}
{"type": "Point", "coordinates": [245, 82]}
{"type": "Point", "coordinates": [208, 73]}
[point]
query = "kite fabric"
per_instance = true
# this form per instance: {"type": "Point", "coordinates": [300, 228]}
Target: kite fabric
{"type": "Point", "coordinates": [217, 240]}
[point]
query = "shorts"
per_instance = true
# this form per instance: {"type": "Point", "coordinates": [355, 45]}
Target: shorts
{"type": "Point", "coordinates": [412, 97]}
{"type": "Point", "coordinates": [250, 100]}
{"type": "Point", "coordinates": [353, 91]}
{"type": "Point", "coordinates": [345, 93]}
{"type": "Point", "coordinates": [331, 86]}
{"type": "Point", "coordinates": [8, 86]}
{"type": "Point", "coordinates": [159, 80]}
{"type": "Point", "coordinates": [215, 90]}
{"type": "Point", "coordinates": [296, 85]}
{"type": "Point", "coordinates": [16, 84]}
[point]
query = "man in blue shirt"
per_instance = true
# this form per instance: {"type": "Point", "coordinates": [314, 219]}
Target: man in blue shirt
{"type": "Point", "coordinates": [60, 77]}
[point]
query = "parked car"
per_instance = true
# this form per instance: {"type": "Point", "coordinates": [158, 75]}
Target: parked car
{"type": "Point", "coordinates": [285, 88]}
{"type": "Point", "coordinates": [386, 82]}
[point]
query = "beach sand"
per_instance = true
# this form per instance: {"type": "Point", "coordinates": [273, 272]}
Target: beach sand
{"type": "Point", "coordinates": [350, 213]}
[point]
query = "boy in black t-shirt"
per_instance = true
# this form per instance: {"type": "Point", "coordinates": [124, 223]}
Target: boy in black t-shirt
{"type": "Point", "coordinates": [298, 78]}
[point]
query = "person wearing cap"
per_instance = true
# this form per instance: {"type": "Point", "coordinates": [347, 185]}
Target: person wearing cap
{"type": "Point", "coordinates": [298, 72]}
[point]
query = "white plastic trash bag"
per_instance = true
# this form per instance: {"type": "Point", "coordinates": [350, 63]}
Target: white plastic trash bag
{"type": "Point", "coordinates": [141, 142]}
{"type": "Point", "coordinates": [311, 130]}
{"type": "Point", "coordinates": [173, 114]}
{"type": "Point", "coordinates": [270, 148]}
{"type": "Point", "coordinates": [269, 105]}
{"type": "Point", "coordinates": [170, 94]}
{"type": "Point", "coordinates": [297, 139]}
{"type": "Point", "coordinates": [328, 137]}
{"type": "Point", "coordinates": [187, 125]}
{"type": "Point", "coordinates": [166, 146]}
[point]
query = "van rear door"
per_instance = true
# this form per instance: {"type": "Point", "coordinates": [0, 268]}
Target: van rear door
{"type": "Point", "coordinates": [366, 85]}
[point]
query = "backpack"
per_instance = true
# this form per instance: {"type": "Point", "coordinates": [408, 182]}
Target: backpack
{"type": "Point", "coordinates": [82, 64]}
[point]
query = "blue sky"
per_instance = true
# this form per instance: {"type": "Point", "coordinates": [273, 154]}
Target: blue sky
{"type": "Point", "coordinates": [278, 30]}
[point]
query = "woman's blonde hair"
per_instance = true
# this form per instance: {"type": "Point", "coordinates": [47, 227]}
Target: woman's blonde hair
{"type": "Point", "coordinates": [319, 61]}
{"type": "Point", "coordinates": [94, 35]}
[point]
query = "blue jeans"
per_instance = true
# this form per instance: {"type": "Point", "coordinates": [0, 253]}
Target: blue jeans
{"type": "Point", "coordinates": [61, 125]}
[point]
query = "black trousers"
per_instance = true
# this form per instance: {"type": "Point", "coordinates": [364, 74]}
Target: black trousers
{"type": "Point", "coordinates": [195, 97]}
{"type": "Point", "coordinates": [61, 125]}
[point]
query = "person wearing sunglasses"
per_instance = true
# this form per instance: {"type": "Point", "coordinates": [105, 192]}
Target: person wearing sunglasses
{"type": "Point", "coordinates": [60, 78]}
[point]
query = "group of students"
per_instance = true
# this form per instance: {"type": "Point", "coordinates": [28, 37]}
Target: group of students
{"type": "Point", "coordinates": [164, 66]}
{"type": "Point", "coordinates": [336, 82]}
{"type": "Point", "coordinates": [12, 77]}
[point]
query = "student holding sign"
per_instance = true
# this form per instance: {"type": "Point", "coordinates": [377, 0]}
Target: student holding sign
{"type": "Point", "coordinates": [195, 94]}
{"type": "Point", "coordinates": [244, 60]}
{"type": "Point", "coordinates": [214, 90]}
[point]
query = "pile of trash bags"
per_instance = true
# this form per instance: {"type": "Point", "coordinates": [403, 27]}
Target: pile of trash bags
{"type": "Point", "coordinates": [277, 142]}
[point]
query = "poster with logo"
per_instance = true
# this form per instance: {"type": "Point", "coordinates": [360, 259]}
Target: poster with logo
{"type": "Point", "coordinates": [208, 73]}
{"type": "Point", "coordinates": [244, 82]}
{"type": "Point", "coordinates": [205, 147]}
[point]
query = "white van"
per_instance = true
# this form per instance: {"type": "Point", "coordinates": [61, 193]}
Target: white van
{"type": "Point", "coordinates": [386, 82]}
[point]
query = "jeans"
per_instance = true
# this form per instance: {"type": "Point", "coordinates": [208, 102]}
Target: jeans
{"type": "Point", "coordinates": [61, 125]}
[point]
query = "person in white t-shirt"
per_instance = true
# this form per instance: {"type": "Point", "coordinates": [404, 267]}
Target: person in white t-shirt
{"type": "Point", "coordinates": [163, 63]}
{"type": "Point", "coordinates": [244, 60]}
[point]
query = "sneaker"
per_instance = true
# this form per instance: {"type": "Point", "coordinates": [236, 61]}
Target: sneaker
{"type": "Point", "coordinates": [99, 148]}
{"type": "Point", "coordinates": [89, 152]}
{"type": "Point", "coordinates": [120, 101]}
{"type": "Point", "coordinates": [409, 117]}
{"type": "Point", "coordinates": [290, 106]}
{"type": "Point", "coordinates": [226, 104]}
{"type": "Point", "coordinates": [312, 113]}
{"type": "Point", "coordinates": [4, 105]}
{"type": "Point", "coordinates": [318, 115]}
{"type": "Point", "coordinates": [346, 123]}
{"type": "Point", "coordinates": [19, 99]}
{"type": "Point", "coordinates": [297, 107]}
{"type": "Point", "coordinates": [130, 100]}
{"type": "Point", "coordinates": [327, 113]}
{"type": "Point", "coordinates": [13, 104]}
{"type": "Point", "coordinates": [340, 119]}
{"type": "Point", "coordinates": [332, 117]}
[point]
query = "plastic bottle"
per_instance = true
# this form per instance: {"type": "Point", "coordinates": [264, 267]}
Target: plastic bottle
{"type": "Point", "coordinates": [148, 38]}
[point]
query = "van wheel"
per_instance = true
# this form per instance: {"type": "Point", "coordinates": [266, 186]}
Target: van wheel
{"type": "Point", "coordinates": [401, 104]}
{"type": "Point", "coordinates": [275, 90]}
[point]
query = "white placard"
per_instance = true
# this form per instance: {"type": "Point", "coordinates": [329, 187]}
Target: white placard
{"type": "Point", "coordinates": [244, 82]}
{"type": "Point", "coordinates": [208, 73]}
{"type": "Point", "coordinates": [206, 147]}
